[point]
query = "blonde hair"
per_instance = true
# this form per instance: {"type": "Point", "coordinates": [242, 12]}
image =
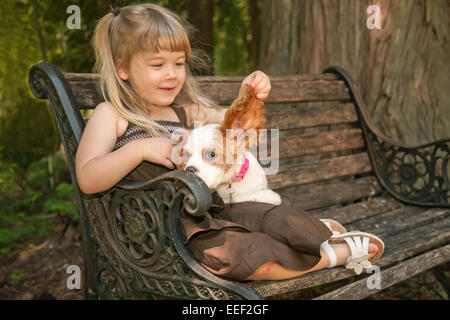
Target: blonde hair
{"type": "Point", "coordinates": [135, 28]}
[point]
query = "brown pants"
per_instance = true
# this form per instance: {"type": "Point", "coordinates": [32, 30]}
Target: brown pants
{"type": "Point", "coordinates": [235, 241]}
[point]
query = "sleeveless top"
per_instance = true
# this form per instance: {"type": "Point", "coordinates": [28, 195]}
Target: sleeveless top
{"type": "Point", "coordinates": [147, 170]}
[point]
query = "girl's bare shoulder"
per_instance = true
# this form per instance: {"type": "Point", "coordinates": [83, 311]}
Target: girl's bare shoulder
{"type": "Point", "coordinates": [106, 108]}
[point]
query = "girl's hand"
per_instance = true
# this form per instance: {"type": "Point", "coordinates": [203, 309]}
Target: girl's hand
{"type": "Point", "coordinates": [260, 81]}
{"type": "Point", "coordinates": [158, 150]}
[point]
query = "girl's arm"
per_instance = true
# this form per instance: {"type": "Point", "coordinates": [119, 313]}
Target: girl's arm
{"type": "Point", "coordinates": [97, 168]}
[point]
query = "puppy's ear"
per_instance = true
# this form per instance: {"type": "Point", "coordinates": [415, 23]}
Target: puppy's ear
{"type": "Point", "coordinates": [177, 156]}
{"type": "Point", "coordinates": [245, 113]}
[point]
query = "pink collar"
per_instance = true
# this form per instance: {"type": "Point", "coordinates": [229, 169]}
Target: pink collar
{"type": "Point", "coordinates": [242, 172]}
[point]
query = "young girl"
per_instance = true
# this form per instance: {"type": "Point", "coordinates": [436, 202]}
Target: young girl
{"type": "Point", "coordinates": [143, 58]}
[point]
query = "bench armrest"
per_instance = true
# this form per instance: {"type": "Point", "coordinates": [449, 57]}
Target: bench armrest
{"type": "Point", "coordinates": [197, 196]}
{"type": "Point", "coordinates": [418, 175]}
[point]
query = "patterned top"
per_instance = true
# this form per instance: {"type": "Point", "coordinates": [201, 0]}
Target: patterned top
{"type": "Point", "coordinates": [135, 132]}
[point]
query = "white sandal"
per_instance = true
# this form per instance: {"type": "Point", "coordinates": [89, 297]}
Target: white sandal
{"type": "Point", "coordinates": [358, 260]}
{"type": "Point", "coordinates": [334, 226]}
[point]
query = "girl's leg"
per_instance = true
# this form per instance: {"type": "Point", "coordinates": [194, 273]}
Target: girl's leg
{"type": "Point", "coordinates": [275, 271]}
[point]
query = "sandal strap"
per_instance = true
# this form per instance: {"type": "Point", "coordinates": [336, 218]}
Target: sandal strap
{"type": "Point", "coordinates": [328, 224]}
{"type": "Point", "coordinates": [330, 252]}
{"type": "Point", "coordinates": [357, 247]}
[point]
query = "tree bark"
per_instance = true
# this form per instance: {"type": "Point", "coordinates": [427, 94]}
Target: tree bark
{"type": "Point", "coordinates": [402, 69]}
{"type": "Point", "coordinates": [38, 28]}
{"type": "Point", "coordinates": [200, 14]}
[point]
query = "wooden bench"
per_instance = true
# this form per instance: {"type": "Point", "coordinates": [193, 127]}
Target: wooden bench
{"type": "Point", "coordinates": [333, 163]}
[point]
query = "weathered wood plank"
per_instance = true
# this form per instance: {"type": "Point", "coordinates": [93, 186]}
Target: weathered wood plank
{"type": "Point", "coordinates": [419, 241]}
{"type": "Point", "coordinates": [86, 94]}
{"type": "Point", "coordinates": [223, 92]}
{"type": "Point", "coordinates": [319, 143]}
{"type": "Point", "coordinates": [399, 220]}
{"type": "Point", "coordinates": [324, 194]}
{"type": "Point", "coordinates": [320, 170]}
{"type": "Point", "coordinates": [360, 290]}
{"type": "Point", "coordinates": [402, 245]}
{"type": "Point", "coordinates": [360, 210]}
{"type": "Point", "coordinates": [310, 114]}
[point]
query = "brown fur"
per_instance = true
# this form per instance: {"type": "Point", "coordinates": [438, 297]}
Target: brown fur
{"type": "Point", "coordinates": [244, 113]}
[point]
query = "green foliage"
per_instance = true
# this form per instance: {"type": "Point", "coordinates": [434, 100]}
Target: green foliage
{"type": "Point", "coordinates": [62, 202]}
{"type": "Point", "coordinates": [24, 197]}
{"type": "Point", "coordinates": [16, 275]}
{"type": "Point", "coordinates": [38, 173]}
{"type": "Point", "coordinates": [26, 129]}
{"type": "Point", "coordinates": [231, 32]}
{"type": "Point", "coordinates": [9, 178]}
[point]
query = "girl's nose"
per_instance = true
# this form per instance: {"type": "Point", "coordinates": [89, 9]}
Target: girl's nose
{"type": "Point", "coordinates": [170, 73]}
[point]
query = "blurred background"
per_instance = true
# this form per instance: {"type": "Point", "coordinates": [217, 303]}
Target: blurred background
{"type": "Point", "coordinates": [401, 69]}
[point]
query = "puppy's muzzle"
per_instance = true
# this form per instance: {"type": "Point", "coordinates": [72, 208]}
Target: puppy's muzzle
{"type": "Point", "coordinates": [191, 169]}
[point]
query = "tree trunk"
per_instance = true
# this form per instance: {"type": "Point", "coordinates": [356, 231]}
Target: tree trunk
{"type": "Point", "coordinates": [38, 28]}
{"type": "Point", "coordinates": [200, 14]}
{"type": "Point", "coordinates": [402, 69]}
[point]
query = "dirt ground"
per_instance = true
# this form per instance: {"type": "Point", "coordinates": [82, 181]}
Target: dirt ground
{"type": "Point", "coordinates": [39, 271]}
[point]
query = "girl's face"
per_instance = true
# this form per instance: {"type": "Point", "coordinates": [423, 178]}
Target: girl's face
{"type": "Point", "coordinates": [158, 78]}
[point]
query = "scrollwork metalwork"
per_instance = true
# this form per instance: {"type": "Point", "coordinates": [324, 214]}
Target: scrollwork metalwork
{"type": "Point", "coordinates": [420, 175]}
{"type": "Point", "coordinates": [136, 221]}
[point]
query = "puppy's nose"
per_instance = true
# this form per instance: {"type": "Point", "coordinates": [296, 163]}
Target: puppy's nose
{"type": "Point", "coordinates": [191, 169]}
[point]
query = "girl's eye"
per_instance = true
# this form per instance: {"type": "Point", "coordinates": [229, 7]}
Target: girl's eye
{"type": "Point", "coordinates": [210, 155]}
{"type": "Point", "coordinates": [157, 65]}
{"type": "Point", "coordinates": [180, 64]}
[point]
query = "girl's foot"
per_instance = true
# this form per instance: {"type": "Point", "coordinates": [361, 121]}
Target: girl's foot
{"type": "Point", "coordinates": [356, 250]}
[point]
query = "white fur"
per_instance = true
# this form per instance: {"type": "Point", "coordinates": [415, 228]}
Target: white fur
{"type": "Point", "coordinates": [252, 188]}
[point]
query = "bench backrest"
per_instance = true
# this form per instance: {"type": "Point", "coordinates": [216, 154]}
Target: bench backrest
{"type": "Point", "coordinates": [323, 160]}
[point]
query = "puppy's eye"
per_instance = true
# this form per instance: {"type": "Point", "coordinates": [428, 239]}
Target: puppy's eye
{"type": "Point", "coordinates": [210, 155]}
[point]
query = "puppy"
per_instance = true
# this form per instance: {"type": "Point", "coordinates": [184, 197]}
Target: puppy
{"type": "Point", "coordinates": [220, 153]}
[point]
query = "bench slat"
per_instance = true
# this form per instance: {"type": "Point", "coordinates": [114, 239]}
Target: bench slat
{"type": "Point", "coordinates": [319, 143]}
{"type": "Point", "coordinates": [400, 220]}
{"type": "Point", "coordinates": [281, 92]}
{"type": "Point", "coordinates": [304, 173]}
{"type": "Point", "coordinates": [319, 195]}
{"type": "Point", "coordinates": [310, 114]}
{"type": "Point", "coordinates": [316, 88]}
{"type": "Point", "coordinates": [361, 210]}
